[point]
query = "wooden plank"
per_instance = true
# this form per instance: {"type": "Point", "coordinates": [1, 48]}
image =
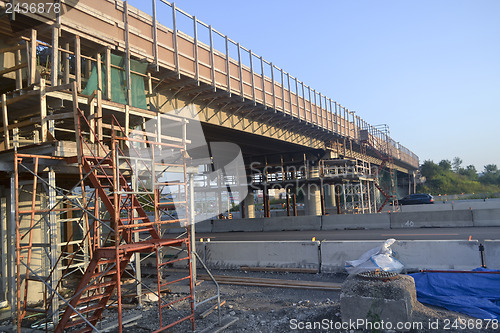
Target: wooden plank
{"type": "Point", "coordinates": [108, 73]}
{"type": "Point", "coordinates": [19, 72]}
{"type": "Point", "coordinates": [32, 56]}
{"type": "Point", "coordinates": [5, 122]}
{"type": "Point", "coordinates": [204, 314]}
{"type": "Point", "coordinates": [279, 269]}
{"type": "Point", "coordinates": [66, 63]}
{"type": "Point", "coordinates": [76, 117]}
{"type": "Point", "coordinates": [13, 68]}
{"type": "Point", "coordinates": [78, 64]}
{"type": "Point", "coordinates": [43, 110]}
{"type": "Point", "coordinates": [279, 283]}
{"type": "Point", "coordinates": [55, 57]}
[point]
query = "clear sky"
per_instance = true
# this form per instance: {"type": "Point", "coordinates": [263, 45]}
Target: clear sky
{"type": "Point", "coordinates": [429, 69]}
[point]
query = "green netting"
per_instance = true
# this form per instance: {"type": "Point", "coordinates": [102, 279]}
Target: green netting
{"type": "Point", "coordinates": [119, 82]}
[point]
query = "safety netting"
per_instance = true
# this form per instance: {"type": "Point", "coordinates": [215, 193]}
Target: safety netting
{"type": "Point", "coordinates": [475, 293]}
{"type": "Point", "coordinates": [119, 81]}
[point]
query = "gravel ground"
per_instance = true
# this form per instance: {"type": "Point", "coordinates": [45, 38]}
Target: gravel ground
{"type": "Point", "coordinates": [277, 310]}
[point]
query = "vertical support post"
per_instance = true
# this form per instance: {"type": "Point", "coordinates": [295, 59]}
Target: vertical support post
{"type": "Point", "coordinates": [174, 36]}
{"type": "Point", "coordinates": [127, 121]}
{"type": "Point", "coordinates": [108, 73]}
{"type": "Point", "coordinates": [99, 73]}
{"type": "Point", "coordinates": [55, 57]}
{"type": "Point", "coordinates": [196, 61]}
{"type": "Point", "coordinates": [241, 72]}
{"type": "Point", "coordinates": [290, 94]}
{"type": "Point", "coordinates": [228, 66]}
{"type": "Point", "coordinates": [4, 243]}
{"type": "Point", "coordinates": [19, 72]}
{"type": "Point", "coordinates": [263, 82]}
{"type": "Point", "coordinates": [43, 110]}
{"type": "Point", "coordinates": [320, 110]}
{"type": "Point", "coordinates": [212, 57]}
{"type": "Point", "coordinates": [155, 37]}
{"type": "Point", "coordinates": [297, 97]}
{"type": "Point", "coordinates": [66, 63]}
{"type": "Point", "coordinates": [54, 240]}
{"type": "Point", "coordinates": [127, 52]}
{"type": "Point", "coordinates": [283, 90]}
{"type": "Point", "coordinates": [192, 220]}
{"type": "Point", "coordinates": [137, 255]}
{"type": "Point", "coordinates": [78, 63]}
{"type": "Point", "coordinates": [12, 250]}
{"type": "Point", "coordinates": [5, 122]}
{"type": "Point", "coordinates": [251, 74]}
{"type": "Point", "coordinates": [304, 101]}
{"type": "Point", "coordinates": [272, 85]}
{"type": "Point", "coordinates": [32, 56]}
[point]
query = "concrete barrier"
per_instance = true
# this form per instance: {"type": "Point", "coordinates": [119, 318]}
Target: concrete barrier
{"type": "Point", "coordinates": [292, 223]}
{"type": "Point", "coordinates": [438, 206]}
{"type": "Point", "coordinates": [414, 255]}
{"type": "Point", "coordinates": [492, 253]}
{"type": "Point", "coordinates": [450, 218]}
{"type": "Point", "coordinates": [486, 217]}
{"type": "Point", "coordinates": [476, 204]}
{"type": "Point", "coordinates": [238, 225]}
{"type": "Point", "coordinates": [437, 254]}
{"type": "Point", "coordinates": [334, 254]}
{"type": "Point", "coordinates": [355, 221]}
{"type": "Point", "coordinates": [296, 254]}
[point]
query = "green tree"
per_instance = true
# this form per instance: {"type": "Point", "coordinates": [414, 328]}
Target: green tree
{"type": "Point", "coordinates": [457, 162]}
{"type": "Point", "coordinates": [469, 172]}
{"type": "Point", "coordinates": [445, 165]}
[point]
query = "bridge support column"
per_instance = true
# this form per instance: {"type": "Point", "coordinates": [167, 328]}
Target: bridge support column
{"type": "Point", "coordinates": [312, 194]}
{"type": "Point", "coordinates": [249, 206]}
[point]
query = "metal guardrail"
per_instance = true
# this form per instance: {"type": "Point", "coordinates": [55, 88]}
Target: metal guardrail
{"type": "Point", "coordinates": [287, 90]}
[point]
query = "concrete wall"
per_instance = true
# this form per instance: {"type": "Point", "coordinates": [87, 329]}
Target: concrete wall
{"type": "Point", "coordinates": [356, 221]}
{"type": "Point", "coordinates": [331, 256]}
{"type": "Point", "coordinates": [486, 217]}
{"type": "Point", "coordinates": [405, 219]}
{"type": "Point", "coordinates": [438, 206]}
{"type": "Point", "coordinates": [492, 254]}
{"type": "Point", "coordinates": [450, 218]}
{"type": "Point", "coordinates": [293, 223]}
{"type": "Point", "coordinates": [296, 254]}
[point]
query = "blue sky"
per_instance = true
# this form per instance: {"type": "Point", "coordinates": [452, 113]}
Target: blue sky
{"type": "Point", "coordinates": [429, 69]}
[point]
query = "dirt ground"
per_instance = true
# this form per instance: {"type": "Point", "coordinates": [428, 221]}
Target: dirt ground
{"type": "Point", "coordinates": [277, 310]}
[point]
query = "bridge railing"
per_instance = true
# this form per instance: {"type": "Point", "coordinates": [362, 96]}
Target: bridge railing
{"type": "Point", "coordinates": [240, 71]}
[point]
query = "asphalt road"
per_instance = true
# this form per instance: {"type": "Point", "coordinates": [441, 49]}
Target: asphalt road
{"type": "Point", "coordinates": [476, 233]}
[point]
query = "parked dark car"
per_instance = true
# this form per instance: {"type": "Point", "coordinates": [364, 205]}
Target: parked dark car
{"type": "Point", "coordinates": [417, 199]}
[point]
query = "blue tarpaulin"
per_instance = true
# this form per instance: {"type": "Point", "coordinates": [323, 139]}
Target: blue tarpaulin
{"type": "Point", "coordinates": [473, 294]}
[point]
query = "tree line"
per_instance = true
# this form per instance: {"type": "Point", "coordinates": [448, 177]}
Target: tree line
{"type": "Point", "coordinates": [450, 177]}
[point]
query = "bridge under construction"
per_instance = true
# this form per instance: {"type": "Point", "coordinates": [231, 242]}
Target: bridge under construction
{"type": "Point", "coordinates": [117, 126]}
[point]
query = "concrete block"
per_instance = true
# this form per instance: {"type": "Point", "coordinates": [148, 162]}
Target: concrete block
{"type": "Point", "coordinates": [292, 223]}
{"type": "Point", "coordinates": [486, 217]}
{"type": "Point", "coordinates": [414, 255]}
{"type": "Point", "coordinates": [256, 224]}
{"type": "Point", "coordinates": [296, 254]}
{"type": "Point", "coordinates": [356, 221]}
{"type": "Point", "coordinates": [377, 301]}
{"type": "Point", "coordinates": [492, 253]}
{"type": "Point", "coordinates": [449, 218]}
{"type": "Point", "coordinates": [334, 254]}
{"type": "Point", "coordinates": [437, 254]}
